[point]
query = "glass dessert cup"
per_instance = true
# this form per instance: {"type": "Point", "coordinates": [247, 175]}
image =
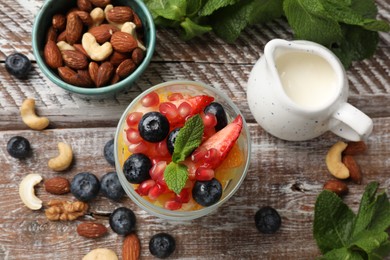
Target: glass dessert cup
{"type": "Point", "coordinates": [230, 177]}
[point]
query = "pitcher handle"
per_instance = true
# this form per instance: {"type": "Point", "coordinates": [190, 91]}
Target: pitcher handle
{"type": "Point", "coordinates": [352, 124]}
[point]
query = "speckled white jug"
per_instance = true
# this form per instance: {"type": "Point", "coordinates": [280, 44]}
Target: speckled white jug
{"type": "Point", "coordinates": [285, 119]}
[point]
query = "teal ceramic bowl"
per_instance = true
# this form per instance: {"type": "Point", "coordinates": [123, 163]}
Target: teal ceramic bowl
{"type": "Point", "coordinates": [43, 22]}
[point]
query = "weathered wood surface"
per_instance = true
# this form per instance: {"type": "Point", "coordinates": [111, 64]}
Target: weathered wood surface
{"type": "Point", "coordinates": [285, 175]}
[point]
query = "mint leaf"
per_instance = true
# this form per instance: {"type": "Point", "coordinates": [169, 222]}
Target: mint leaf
{"type": "Point", "coordinates": [369, 241]}
{"type": "Point", "coordinates": [189, 138]}
{"type": "Point", "coordinates": [212, 5]}
{"type": "Point", "coordinates": [175, 176]}
{"type": "Point", "coordinates": [342, 253]}
{"type": "Point", "coordinates": [169, 9]}
{"type": "Point", "coordinates": [193, 7]}
{"type": "Point", "coordinates": [192, 29]}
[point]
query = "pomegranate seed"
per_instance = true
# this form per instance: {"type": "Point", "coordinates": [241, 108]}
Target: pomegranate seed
{"type": "Point", "coordinates": [140, 147]}
{"type": "Point", "coordinates": [169, 110]}
{"type": "Point", "coordinates": [145, 186]}
{"type": "Point", "coordinates": [199, 154]}
{"type": "Point", "coordinates": [172, 205]}
{"type": "Point", "coordinates": [204, 174]}
{"type": "Point", "coordinates": [175, 96]}
{"type": "Point", "coordinates": [162, 149]}
{"type": "Point", "coordinates": [185, 109]}
{"type": "Point", "coordinates": [209, 120]}
{"type": "Point", "coordinates": [191, 168]}
{"type": "Point", "coordinates": [150, 100]}
{"type": "Point", "coordinates": [157, 170]}
{"type": "Point", "coordinates": [134, 118]}
{"type": "Point", "coordinates": [184, 196]}
{"type": "Point", "coordinates": [133, 136]}
{"type": "Point", "coordinates": [208, 132]}
{"type": "Point", "coordinates": [156, 191]}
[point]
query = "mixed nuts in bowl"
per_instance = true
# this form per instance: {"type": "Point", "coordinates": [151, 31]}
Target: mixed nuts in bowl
{"type": "Point", "coordinates": [93, 47]}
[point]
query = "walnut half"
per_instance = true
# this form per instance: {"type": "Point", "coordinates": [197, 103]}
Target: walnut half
{"type": "Point", "coordinates": [65, 210]}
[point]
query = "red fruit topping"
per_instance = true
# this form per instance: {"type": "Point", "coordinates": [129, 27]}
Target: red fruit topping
{"type": "Point", "coordinates": [157, 170]}
{"type": "Point", "coordinates": [144, 188]}
{"type": "Point", "coordinates": [171, 112]}
{"type": "Point", "coordinates": [162, 149]}
{"type": "Point", "coordinates": [156, 191]}
{"type": "Point", "coordinates": [140, 147]}
{"type": "Point", "coordinates": [185, 110]}
{"type": "Point", "coordinates": [223, 140]}
{"type": "Point", "coordinates": [209, 120]}
{"type": "Point", "coordinates": [133, 118]}
{"type": "Point", "coordinates": [197, 103]}
{"type": "Point", "coordinates": [199, 154]}
{"type": "Point", "coordinates": [175, 96]}
{"type": "Point", "coordinates": [172, 205]}
{"type": "Point", "coordinates": [184, 196]}
{"type": "Point", "coordinates": [133, 136]}
{"type": "Point", "coordinates": [150, 100]}
{"type": "Point", "coordinates": [204, 174]}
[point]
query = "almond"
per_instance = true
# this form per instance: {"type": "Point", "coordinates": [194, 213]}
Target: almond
{"type": "Point", "coordinates": [61, 36]}
{"type": "Point", "coordinates": [84, 79]}
{"type": "Point", "coordinates": [123, 42]}
{"type": "Point", "coordinates": [74, 59]}
{"type": "Point", "coordinates": [85, 17]}
{"type": "Point", "coordinates": [100, 3]}
{"type": "Point", "coordinates": [93, 68]}
{"type": "Point", "coordinates": [125, 68]}
{"type": "Point", "coordinates": [131, 248]}
{"type": "Point", "coordinates": [91, 230]}
{"type": "Point", "coordinates": [80, 48]}
{"type": "Point", "coordinates": [137, 55]}
{"type": "Point", "coordinates": [115, 79]}
{"type": "Point", "coordinates": [84, 5]}
{"type": "Point", "coordinates": [66, 73]}
{"type": "Point", "coordinates": [103, 32]}
{"type": "Point", "coordinates": [52, 55]}
{"type": "Point", "coordinates": [104, 74]}
{"type": "Point", "coordinates": [74, 28]}
{"type": "Point", "coordinates": [120, 14]}
{"type": "Point", "coordinates": [74, 78]}
{"type": "Point", "coordinates": [51, 34]}
{"type": "Point", "coordinates": [116, 58]}
{"type": "Point", "coordinates": [59, 22]}
{"type": "Point", "coordinates": [57, 185]}
{"type": "Point", "coordinates": [354, 148]}
{"type": "Point", "coordinates": [354, 169]}
{"type": "Point", "coordinates": [137, 21]}
{"type": "Point", "coordinates": [336, 186]}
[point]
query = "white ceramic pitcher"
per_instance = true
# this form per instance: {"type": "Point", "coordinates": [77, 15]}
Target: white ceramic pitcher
{"type": "Point", "coordinates": [298, 90]}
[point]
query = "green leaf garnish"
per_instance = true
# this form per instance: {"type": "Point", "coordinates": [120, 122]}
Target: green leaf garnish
{"type": "Point", "coordinates": [189, 138]}
{"type": "Point", "coordinates": [340, 234]}
{"type": "Point", "coordinates": [176, 176]}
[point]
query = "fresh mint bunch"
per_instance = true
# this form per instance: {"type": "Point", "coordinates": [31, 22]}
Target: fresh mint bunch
{"type": "Point", "coordinates": [187, 140]}
{"type": "Point", "coordinates": [348, 27]}
{"type": "Point", "coordinates": [342, 234]}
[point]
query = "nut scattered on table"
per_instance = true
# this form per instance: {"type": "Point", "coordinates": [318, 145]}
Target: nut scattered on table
{"type": "Point", "coordinates": [27, 192]}
{"type": "Point", "coordinates": [91, 230]}
{"type": "Point", "coordinates": [63, 160]}
{"type": "Point", "coordinates": [355, 148]}
{"type": "Point", "coordinates": [101, 254]}
{"type": "Point", "coordinates": [57, 185]}
{"type": "Point", "coordinates": [354, 169]}
{"type": "Point", "coordinates": [334, 161]}
{"type": "Point", "coordinates": [336, 186]}
{"type": "Point", "coordinates": [65, 210]}
{"type": "Point", "coordinates": [30, 118]}
{"type": "Point", "coordinates": [131, 247]}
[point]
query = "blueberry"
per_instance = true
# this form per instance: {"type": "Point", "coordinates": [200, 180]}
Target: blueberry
{"type": "Point", "coordinates": [18, 64]}
{"type": "Point", "coordinates": [171, 139]}
{"type": "Point", "coordinates": [18, 147]}
{"type": "Point", "coordinates": [111, 187]}
{"type": "Point", "coordinates": [153, 127]}
{"type": "Point", "coordinates": [207, 193]}
{"type": "Point", "coordinates": [136, 168]}
{"type": "Point", "coordinates": [267, 220]}
{"type": "Point", "coordinates": [217, 110]}
{"type": "Point", "coordinates": [122, 221]}
{"type": "Point", "coordinates": [109, 152]}
{"type": "Point", "coordinates": [162, 245]}
{"type": "Point", "coordinates": [85, 186]}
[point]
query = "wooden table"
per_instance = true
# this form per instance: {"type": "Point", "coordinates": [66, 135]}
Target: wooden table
{"type": "Point", "coordinates": [285, 175]}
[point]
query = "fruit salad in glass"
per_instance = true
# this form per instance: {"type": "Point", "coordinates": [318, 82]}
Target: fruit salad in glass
{"type": "Point", "coordinates": [181, 149]}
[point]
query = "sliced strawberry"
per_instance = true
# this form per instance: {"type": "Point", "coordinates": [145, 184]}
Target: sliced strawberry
{"type": "Point", "coordinates": [220, 144]}
{"type": "Point", "coordinates": [197, 103]}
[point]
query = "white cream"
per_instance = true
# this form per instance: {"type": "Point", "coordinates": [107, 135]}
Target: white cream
{"type": "Point", "coordinates": [308, 79]}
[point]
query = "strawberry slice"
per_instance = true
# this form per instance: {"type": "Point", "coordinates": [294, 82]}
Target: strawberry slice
{"type": "Point", "coordinates": [222, 142]}
{"type": "Point", "coordinates": [198, 103]}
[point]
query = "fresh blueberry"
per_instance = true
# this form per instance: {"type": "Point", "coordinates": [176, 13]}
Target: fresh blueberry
{"type": "Point", "coordinates": [153, 127]}
{"type": "Point", "coordinates": [217, 110]}
{"type": "Point", "coordinates": [122, 221]}
{"type": "Point", "coordinates": [18, 147]}
{"type": "Point", "coordinates": [111, 187]}
{"type": "Point", "coordinates": [207, 193]}
{"type": "Point", "coordinates": [136, 168]}
{"type": "Point", "coordinates": [171, 139]}
{"type": "Point", "coordinates": [162, 245]}
{"type": "Point", "coordinates": [18, 64]}
{"type": "Point", "coordinates": [109, 152]}
{"type": "Point", "coordinates": [267, 220]}
{"type": "Point", "coordinates": [85, 186]}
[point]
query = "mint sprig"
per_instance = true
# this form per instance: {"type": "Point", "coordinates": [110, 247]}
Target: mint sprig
{"type": "Point", "coordinates": [187, 140]}
{"type": "Point", "coordinates": [340, 234]}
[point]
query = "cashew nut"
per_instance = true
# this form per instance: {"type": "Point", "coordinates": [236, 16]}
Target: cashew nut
{"type": "Point", "coordinates": [27, 193]}
{"type": "Point", "coordinates": [106, 10]}
{"type": "Point", "coordinates": [27, 111]}
{"type": "Point", "coordinates": [334, 161]}
{"type": "Point", "coordinates": [64, 158]}
{"type": "Point", "coordinates": [64, 46]}
{"type": "Point", "coordinates": [94, 50]}
{"type": "Point", "coordinates": [98, 16]}
{"type": "Point", "coordinates": [101, 254]}
{"type": "Point", "coordinates": [129, 27]}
